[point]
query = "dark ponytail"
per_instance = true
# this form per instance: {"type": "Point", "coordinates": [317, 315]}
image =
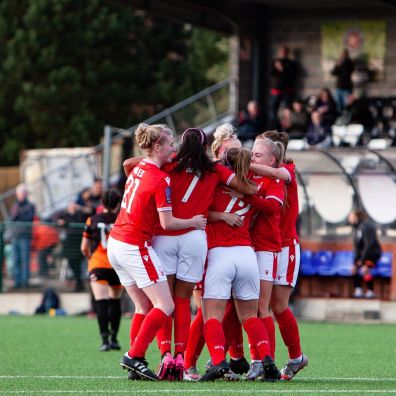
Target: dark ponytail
{"type": "Point", "coordinates": [111, 198]}
{"type": "Point", "coordinates": [192, 153]}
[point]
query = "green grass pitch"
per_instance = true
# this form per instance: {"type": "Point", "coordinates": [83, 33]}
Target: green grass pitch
{"type": "Point", "coordinates": [59, 355]}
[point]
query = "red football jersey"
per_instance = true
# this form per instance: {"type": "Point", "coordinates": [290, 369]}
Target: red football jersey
{"type": "Point", "coordinates": [147, 192]}
{"type": "Point", "coordinates": [222, 234]}
{"type": "Point", "coordinates": [191, 195]}
{"type": "Point", "coordinates": [290, 212]}
{"type": "Point", "coordinates": [266, 231]}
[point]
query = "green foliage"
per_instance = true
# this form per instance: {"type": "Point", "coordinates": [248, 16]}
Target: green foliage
{"type": "Point", "coordinates": [70, 67]}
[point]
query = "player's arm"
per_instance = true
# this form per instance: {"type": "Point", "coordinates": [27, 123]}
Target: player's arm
{"type": "Point", "coordinates": [270, 172]}
{"type": "Point", "coordinates": [230, 179]}
{"type": "Point", "coordinates": [169, 222]}
{"type": "Point", "coordinates": [232, 219]}
{"type": "Point", "coordinates": [85, 247]}
{"type": "Point", "coordinates": [247, 188]}
{"type": "Point", "coordinates": [85, 241]}
{"type": "Point", "coordinates": [130, 163]}
{"type": "Point", "coordinates": [265, 206]}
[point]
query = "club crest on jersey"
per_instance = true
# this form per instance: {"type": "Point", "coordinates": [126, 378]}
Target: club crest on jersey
{"type": "Point", "coordinates": [168, 194]}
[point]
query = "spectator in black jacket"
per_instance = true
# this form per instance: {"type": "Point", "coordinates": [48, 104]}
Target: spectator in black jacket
{"type": "Point", "coordinates": [367, 251]}
{"type": "Point", "coordinates": [22, 213]}
{"type": "Point", "coordinates": [295, 121]}
{"type": "Point", "coordinates": [70, 220]}
{"type": "Point", "coordinates": [285, 73]}
{"type": "Point", "coordinates": [251, 122]}
{"type": "Point", "coordinates": [343, 69]}
{"type": "Point", "coordinates": [319, 132]}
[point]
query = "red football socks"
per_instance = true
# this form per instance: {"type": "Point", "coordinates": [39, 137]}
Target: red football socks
{"type": "Point", "coordinates": [233, 332]}
{"type": "Point", "coordinates": [151, 323]}
{"type": "Point", "coordinates": [182, 319]}
{"type": "Point", "coordinates": [164, 336]}
{"type": "Point", "coordinates": [196, 341]}
{"type": "Point", "coordinates": [288, 328]}
{"type": "Point", "coordinates": [268, 322]}
{"type": "Point", "coordinates": [214, 337]}
{"type": "Point", "coordinates": [136, 322]}
{"type": "Point", "coordinates": [258, 338]}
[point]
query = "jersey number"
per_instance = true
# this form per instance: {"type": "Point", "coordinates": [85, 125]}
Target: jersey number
{"type": "Point", "coordinates": [127, 199]}
{"type": "Point", "coordinates": [190, 188]}
{"type": "Point", "coordinates": [240, 212]}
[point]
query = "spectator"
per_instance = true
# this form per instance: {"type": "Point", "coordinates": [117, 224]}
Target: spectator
{"type": "Point", "coordinates": [251, 122]}
{"type": "Point", "coordinates": [343, 69]}
{"type": "Point", "coordinates": [89, 199]}
{"type": "Point", "coordinates": [359, 112]}
{"type": "Point", "coordinates": [22, 212]}
{"type": "Point", "coordinates": [319, 133]}
{"type": "Point", "coordinates": [326, 106]}
{"type": "Point", "coordinates": [285, 73]}
{"type": "Point", "coordinates": [71, 241]}
{"type": "Point", "coordinates": [295, 121]}
{"type": "Point", "coordinates": [367, 252]}
{"type": "Point", "coordinates": [45, 239]}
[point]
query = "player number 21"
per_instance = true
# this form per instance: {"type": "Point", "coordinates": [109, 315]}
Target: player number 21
{"type": "Point", "coordinates": [127, 199]}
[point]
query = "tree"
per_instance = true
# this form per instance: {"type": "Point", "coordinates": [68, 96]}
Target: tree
{"type": "Point", "coordinates": [71, 67]}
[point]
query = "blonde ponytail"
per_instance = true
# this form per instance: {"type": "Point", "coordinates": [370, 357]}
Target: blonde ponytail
{"type": "Point", "coordinates": [222, 133]}
{"type": "Point", "coordinates": [147, 135]}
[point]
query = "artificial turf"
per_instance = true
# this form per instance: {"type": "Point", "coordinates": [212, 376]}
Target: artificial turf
{"type": "Point", "coordinates": [59, 355]}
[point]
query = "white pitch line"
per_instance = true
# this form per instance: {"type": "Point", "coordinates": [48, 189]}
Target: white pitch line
{"type": "Point", "coordinates": [94, 377]}
{"type": "Point", "coordinates": [250, 391]}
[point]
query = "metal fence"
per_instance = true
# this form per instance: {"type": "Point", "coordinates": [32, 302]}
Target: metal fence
{"type": "Point", "coordinates": [54, 189]}
{"type": "Point", "coordinates": [39, 255]}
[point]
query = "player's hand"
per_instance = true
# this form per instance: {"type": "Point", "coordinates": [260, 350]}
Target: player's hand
{"type": "Point", "coordinates": [233, 220]}
{"type": "Point", "coordinates": [199, 222]}
{"type": "Point", "coordinates": [278, 66]}
{"type": "Point", "coordinates": [232, 193]}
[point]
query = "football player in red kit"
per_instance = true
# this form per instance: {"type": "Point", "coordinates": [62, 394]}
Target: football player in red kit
{"type": "Point", "coordinates": [194, 178]}
{"type": "Point", "coordinates": [232, 269]}
{"type": "Point", "coordinates": [146, 201]}
{"type": "Point", "coordinates": [266, 235]}
{"type": "Point", "coordinates": [288, 260]}
{"type": "Point", "coordinates": [225, 137]}
{"type": "Point", "coordinates": [105, 285]}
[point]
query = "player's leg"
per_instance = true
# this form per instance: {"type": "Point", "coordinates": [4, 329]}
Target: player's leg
{"type": "Point", "coordinates": [196, 340]}
{"type": "Point", "coordinates": [289, 261]}
{"type": "Point", "coordinates": [268, 264]}
{"type": "Point", "coordinates": [246, 291]}
{"type": "Point", "coordinates": [217, 291]}
{"type": "Point", "coordinates": [234, 340]}
{"type": "Point", "coordinates": [189, 271]}
{"type": "Point", "coordinates": [115, 292]}
{"type": "Point", "coordinates": [100, 292]}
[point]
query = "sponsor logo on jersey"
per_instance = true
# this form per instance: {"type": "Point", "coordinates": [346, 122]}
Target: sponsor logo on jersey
{"type": "Point", "coordinates": [168, 195]}
{"type": "Point", "coordinates": [167, 179]}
